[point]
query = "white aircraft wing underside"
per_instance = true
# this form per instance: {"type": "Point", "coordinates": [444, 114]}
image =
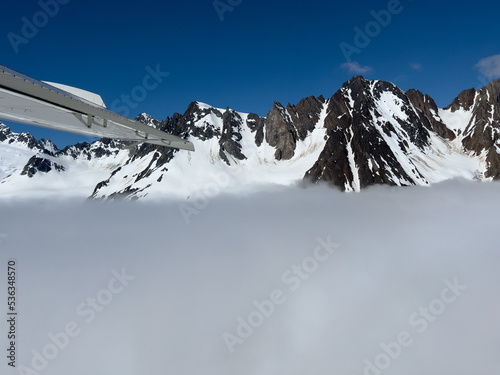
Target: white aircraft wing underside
{"type": "Point", "coordinates": [29, 101]}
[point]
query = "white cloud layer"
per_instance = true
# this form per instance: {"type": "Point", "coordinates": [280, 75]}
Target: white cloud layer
{"type": "Point", "coordinates": [398, 246]}
{"type": "Point", "coordinates": [489, 67]}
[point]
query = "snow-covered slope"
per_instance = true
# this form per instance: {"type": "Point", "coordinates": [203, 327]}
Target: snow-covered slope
{"type": "Point", "coordinates": [216, 166]}
{"type": "Point", "coordinates": [368, 132]}
{"type": "Point", "coordinates": [37, 169]}
{"type": "Point", "coordinates": [380, 134]}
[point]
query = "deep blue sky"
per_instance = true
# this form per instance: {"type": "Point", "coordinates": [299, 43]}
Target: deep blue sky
{"type": "Point", "coordinates": [260, 52]}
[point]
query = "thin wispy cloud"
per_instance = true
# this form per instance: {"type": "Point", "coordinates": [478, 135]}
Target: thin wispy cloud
{"type": "Point", "coordinates": [489, 66]}
{"type": "Point", "coordinates": [354, 67]}
{"type": "Point", "coordinates": [416, 66]}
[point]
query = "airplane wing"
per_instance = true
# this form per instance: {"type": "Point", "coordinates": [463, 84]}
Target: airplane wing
{"type": "Point", "coordinates": [29, 101]}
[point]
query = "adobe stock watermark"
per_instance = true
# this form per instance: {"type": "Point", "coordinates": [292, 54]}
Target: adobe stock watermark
{"type": "Point", "coordinates": [292, 280]}
{"type": "Point", "coordinates": [420, 320]}
{"type": "Point", "coordinates": [363, 36]}
{"type": "Point", "coordinates": [31, 26]}
{"type": "Point", "coordinates": [86, 311]}
{"type": "Point", "coordinates": [151, 81]}
{"type": "Point", "coordinates": [200, 198]}
{"type": "Point", "coordinates": [223, 6]}
{"type": "Point", "coordinates": [484, 80]}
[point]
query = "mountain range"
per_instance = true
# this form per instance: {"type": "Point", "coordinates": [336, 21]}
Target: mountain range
{"type": "Point", "coordinates": [367, 133]}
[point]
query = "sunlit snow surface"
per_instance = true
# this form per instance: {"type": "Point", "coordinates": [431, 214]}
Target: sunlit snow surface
{"type": "Point", "coordinates": [78, 180]}
{"type": "Point", "coordinates": [191, 174]}
{"type": "Point", "coordinates": [397, 248]}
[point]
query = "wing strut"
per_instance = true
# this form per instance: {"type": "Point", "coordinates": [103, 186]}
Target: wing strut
{"type": "Point", "coordinates": [29, 101]}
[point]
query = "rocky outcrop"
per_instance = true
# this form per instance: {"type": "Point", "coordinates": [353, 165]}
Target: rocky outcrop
{"type": "Point", "coordinates": [305, 115]}
{"type": "Point", "coordinates": [280, 132]}
{"type": "Point", "coordinates": [464, 100]}
{"type": "Point", "coordinates": [482, 133]}
{"type": "Point", "coordinates": [27, 140]}
{"type": "Point", "coordinates": [231, 136]}
{"type": "Point", "coordinates": [427, 111]}
{"type": "Point", "coordinates": [367, 133]}
{"type": "Point", "coordinates": [37, 164]}
{"type": "Point", "coordinates": [256, 124]}
{"type": "Point", "coordinates": [357, 153]}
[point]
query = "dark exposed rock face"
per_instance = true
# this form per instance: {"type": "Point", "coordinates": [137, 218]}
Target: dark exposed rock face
{"type": "Point", "coordinates": [305, 115]}
{"type": "Point", "coordinates": [4, 132]}
{"type": "Point", "coordinates": [427, 110]}
{"type": "Point", "coordinates": [370, 132]}
{"type": "Point", "coordinates": [464, 100]}
{"type": "Point", "coordinates": [231, 136]}
{"type": "Point", "coordinates": [493, 164]}
{"type": "Point", "coordinates": [280, 132]}
{"type": "Point", "coordinates": [41, 146]}
{"type": "Point", "coordinates": [482, 134]}
{"type": "Point", "coordinates": [202, 131]}
{"type": "Point", "coordinates": [372, 129]}
{"type": "Point", "coordinates": [256, 124]}
{"type": "Point", "coordinates": [103, 148]}
{"type": "Point", "coordinates": [356, 131]}
{"type": "Point", "coordinates": [354, 123]}
{"type": "Point", "coordinates": [284, 127]}
{"type": "Point", "coordinates": [37, 164]}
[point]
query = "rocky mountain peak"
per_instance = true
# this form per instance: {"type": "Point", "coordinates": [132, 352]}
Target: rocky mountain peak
{"type": "Point", "coordinates": [5, 132]}
{"type": "Point", "coordinates": [356, 81]}
{"type": "Point", "coordinates": [368, 132]}
{"type": "Point", "coordinates": [305, 115]}
{"type": "Point", "coordinates": [482, 133]}
{"type": "Point", "coordinates": [148, 120]}
{"type": "Point", "coordinates": [280, 132]}
{"type": "Point", "coordinates": [26, 139]}
{"type": "Point", "coordinates": [427, 111]}
{"type": "Point", "coordinates": [464, 100]}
